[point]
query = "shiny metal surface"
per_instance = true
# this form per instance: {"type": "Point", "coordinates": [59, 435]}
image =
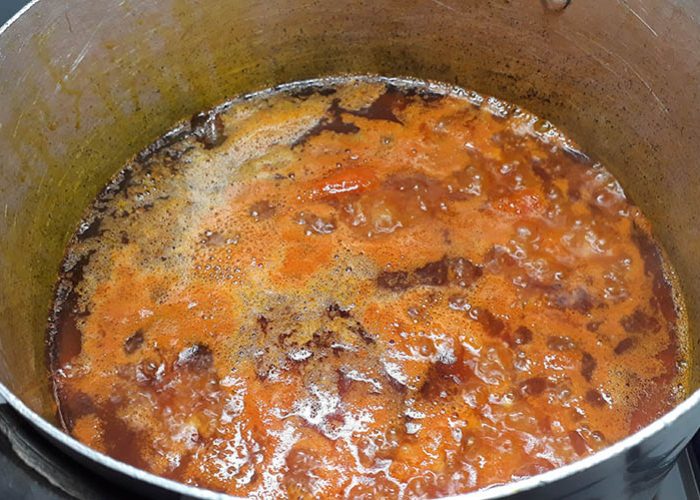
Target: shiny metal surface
{"type": "Point", "coordinates": [84, 84]}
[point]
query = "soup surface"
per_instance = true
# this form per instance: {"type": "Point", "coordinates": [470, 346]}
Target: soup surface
{"type": "Point", "coordinates": [363, 288]}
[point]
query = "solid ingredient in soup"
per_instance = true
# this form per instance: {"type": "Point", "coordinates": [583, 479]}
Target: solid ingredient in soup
{"type": "Point", "coordinates": [363, 288]}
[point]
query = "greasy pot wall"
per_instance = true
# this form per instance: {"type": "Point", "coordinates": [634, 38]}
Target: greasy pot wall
{"type": "Point", "coordinates": [85, 84]}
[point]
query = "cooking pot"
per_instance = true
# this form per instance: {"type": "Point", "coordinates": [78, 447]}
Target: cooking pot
{"type": "Point", "coordinates": [85, 84]}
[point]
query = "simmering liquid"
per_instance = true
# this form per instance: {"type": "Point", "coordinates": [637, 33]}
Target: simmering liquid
{"type": "Point", "coordinates": [363, 288]}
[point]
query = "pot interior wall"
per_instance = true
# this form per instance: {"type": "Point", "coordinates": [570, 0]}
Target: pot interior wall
{"type": "Point", "coordinates": [85, 84]}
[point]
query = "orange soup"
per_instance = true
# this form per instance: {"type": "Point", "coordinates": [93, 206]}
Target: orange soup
{"type": "Point", "coordinates": [363, 288]}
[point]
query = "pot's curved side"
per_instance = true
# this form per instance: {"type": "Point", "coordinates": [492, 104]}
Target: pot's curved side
{"type": "Point", "coordinates": [84, 84]}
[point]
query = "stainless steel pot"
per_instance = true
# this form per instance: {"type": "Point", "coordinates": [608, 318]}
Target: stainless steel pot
{"type": "Point", "coordinates": [84, 84]}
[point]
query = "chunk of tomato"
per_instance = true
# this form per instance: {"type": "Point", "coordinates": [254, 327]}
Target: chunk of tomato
{"type": "Point", "coordinates": [342, 182]}
{"type": "Point", "coordinates": [526, 202]}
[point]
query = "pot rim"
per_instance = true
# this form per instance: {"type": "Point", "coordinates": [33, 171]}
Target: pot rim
{"type": "Point", "coordinates": [500, 491]}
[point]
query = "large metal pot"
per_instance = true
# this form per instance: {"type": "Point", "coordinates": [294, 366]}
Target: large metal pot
{"type": "Point", "coordinates": [84, 84]}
